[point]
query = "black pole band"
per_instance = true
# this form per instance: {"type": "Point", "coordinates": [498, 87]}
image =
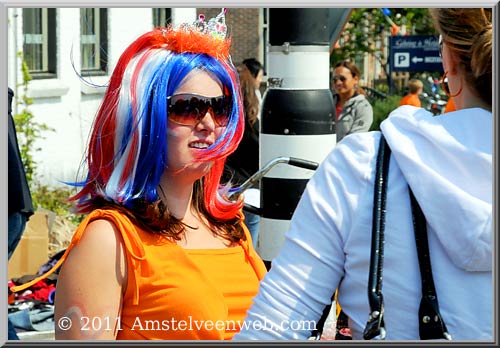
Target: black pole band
{"type": "Point", "coordinates": [298, 26]}
{"type": "Point", "coordinates": [297, 112]}
{"type": "Point", "coordinates": [281, 197]}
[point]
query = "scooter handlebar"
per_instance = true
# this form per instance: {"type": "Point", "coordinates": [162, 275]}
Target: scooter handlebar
{"type": "Point", "coordinates": [297, 162]}
{"type": "Point", "coordinates": [302, 163]}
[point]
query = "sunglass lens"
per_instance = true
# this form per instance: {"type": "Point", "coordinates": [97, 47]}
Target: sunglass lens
{"type": "Point", "coordinates": [189, 109]}
{"type": "Point", "coordinates": [221, 109]}
{"type": "Point", "coordinates": [182, 111]}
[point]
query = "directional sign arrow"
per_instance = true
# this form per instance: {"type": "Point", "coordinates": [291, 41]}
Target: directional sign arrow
{"type": "Point", "coordinates": [415, 53]}
{"type": "Point", "coordinates": [415, 60]}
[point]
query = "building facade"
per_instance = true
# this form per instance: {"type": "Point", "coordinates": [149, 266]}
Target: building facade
{"type": "Point", "coordinates": [70, 54]}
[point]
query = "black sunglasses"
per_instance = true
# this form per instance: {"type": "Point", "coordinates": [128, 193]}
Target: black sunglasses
{"type": "Point", "coordinates": [341, 78]}
{"type": "Point", "coordinates": [189, 109]}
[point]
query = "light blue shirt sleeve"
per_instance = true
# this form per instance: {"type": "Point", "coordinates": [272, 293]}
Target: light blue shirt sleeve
{"type": "Point", "coordinates": [310, 265]}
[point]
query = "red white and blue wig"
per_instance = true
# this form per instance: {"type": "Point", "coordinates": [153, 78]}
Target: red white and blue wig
{"type": "Point", "coordinates": [127, 151]}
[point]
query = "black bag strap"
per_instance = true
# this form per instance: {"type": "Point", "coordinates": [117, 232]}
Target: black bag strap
{"type": "Point", "coordinates": [376, 325]}
{"type": "Point", "coordinates": [320, 325]}
{"type": "Point", "coordinates": [431, 324]}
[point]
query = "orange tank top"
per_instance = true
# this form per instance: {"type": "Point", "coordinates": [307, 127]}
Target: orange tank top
{"type": "Point", "coordinates": [175, 293]}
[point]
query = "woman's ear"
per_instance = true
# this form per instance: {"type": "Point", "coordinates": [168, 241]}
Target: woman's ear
{"type": "Point", "coordinates": [451, 62]}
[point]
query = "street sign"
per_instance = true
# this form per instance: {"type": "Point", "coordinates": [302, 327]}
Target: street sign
{"type": "Point", "coordinates": [415, 53]}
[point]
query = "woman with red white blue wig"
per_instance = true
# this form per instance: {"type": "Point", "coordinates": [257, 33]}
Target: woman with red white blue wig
{"type": "Point", "coordinates": [161, 254]}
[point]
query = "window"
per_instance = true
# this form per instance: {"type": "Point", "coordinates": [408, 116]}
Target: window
{"type": "Point", "coordinates": [39, 41]}
{"type": "Point", "coordinates": [162, 17]}
{"type": "Point", "coordinates": [265, 36]}
{"type": "Point", "coordinates": [94, 41]}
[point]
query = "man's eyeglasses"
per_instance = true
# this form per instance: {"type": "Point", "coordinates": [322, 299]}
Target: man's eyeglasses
{"type": "Point", "coordinates": [341, 78]}
{"type": "Point", "coordinates": [189, 109]}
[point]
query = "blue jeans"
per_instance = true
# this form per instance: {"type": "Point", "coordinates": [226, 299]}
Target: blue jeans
{"type": "Point", "coordinates": [12, 333]}
{"type": "Point", "coordinates": [252, 221]}
{"type": "Point", "coordinates": [17, 223]}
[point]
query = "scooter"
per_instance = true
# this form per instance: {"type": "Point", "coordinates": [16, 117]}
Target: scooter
{"type": "Point", "coordinates": [432, 98]}
{"type": "Point", "coordinates": [434, 104]}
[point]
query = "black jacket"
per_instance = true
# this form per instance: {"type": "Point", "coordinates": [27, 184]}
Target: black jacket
{"type": "Point", "coordinates": [19, 192]}
{"type": "Point", "coordinates": [244, 161]}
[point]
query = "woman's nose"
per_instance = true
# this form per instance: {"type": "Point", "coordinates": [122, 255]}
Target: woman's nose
{"type": "Point", "coordinates": [207, 121]}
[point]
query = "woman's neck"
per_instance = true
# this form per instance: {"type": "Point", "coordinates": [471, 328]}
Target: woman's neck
{"type": "Point", "coordinates": [177, 197]}
{"type": "Point", "coordinates": [198, 233]}
{"type": "Point", "coordinates": [344, 97]}
{"type": "Point", "coordinates": [467, 99]}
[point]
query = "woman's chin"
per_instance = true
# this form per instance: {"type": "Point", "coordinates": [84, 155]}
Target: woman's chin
{"type": "Point", "coordinates": [193, 171]}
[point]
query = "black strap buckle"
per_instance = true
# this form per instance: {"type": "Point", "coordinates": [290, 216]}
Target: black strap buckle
{"type": "Point", "coordinates": [375, 326]}
{"type": "Point", "coordinates": [431, 324]}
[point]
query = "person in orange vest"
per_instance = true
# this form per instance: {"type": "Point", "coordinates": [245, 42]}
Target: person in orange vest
{"type": "Point", "coordinates": [415, 89]}
{"type": "Point", "coordinates": [450, 106]}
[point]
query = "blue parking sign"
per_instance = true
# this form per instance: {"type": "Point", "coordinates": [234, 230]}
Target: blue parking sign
{"type": "Point", "coordinates": [415, 53]}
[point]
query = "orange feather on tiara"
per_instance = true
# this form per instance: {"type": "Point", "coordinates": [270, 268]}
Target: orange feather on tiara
{"type": "Point", "coordinates": [200, 37]}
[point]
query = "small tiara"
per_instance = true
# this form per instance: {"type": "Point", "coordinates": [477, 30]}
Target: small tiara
{"type": "Point", "coordinates": [200, 37]}
{"type": "Point", "coordinates": [215, 26]}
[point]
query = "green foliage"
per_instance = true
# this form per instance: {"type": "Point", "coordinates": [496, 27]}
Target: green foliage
{"type": "Point", "coordinates": [27, 128]}
{"type": "Point", "coordinates": [382, 109]}
{"type": "Point", "coordinates": [382, 87]}
{"type": "Point", "coordinates": [56, 200]}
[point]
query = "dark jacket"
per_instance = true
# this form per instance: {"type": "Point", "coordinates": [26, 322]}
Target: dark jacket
{"type": "Point", "coordinates": [244, 162]}
{"type": "Point", "coordinates": [19, 192]}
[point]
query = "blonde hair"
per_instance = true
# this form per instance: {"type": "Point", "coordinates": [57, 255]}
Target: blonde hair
{"type": "Point", "coordinates": [468, 34]}
{"type": "Point", "coordinates": [414, 86]}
